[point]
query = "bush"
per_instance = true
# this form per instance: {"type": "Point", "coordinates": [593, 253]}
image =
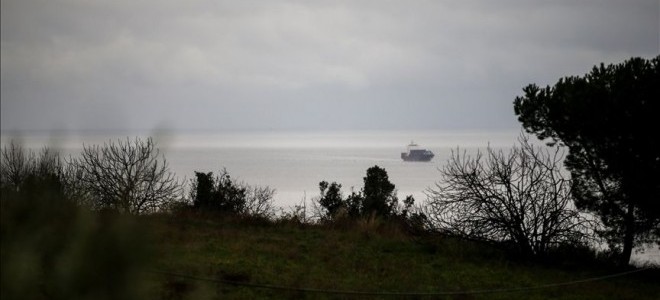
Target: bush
{"type": "Point", "coordinates": [222, 194]}
{"type": "Point", "coordinates": [217, 193]}
{"type": "Point", "coordinates": [377, 198]}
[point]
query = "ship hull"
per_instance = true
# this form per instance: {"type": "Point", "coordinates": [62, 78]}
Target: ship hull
{"type": "Point", "coordinates": [421, 158]}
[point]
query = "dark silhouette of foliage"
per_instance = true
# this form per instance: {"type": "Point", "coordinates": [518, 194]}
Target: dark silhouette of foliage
{"type": "Point", "coordinates": [377, 197]}
{"type": "Point", "coordinates": [519, 196]}
{"type": "Point", "coordinates": [607, 119]}
{"type": "Point", "coordinates": [204, 189]}
{"type": "Point", "coordinates": [217, 193]}
{"type": "Point", "coordinates": [407, 205]}
{"type": "Point", "coordinates": [331, 197]}
{"type": "Point", "coordinates": [354, 203]}
{"type": "Point", "coordinates": [222, 194]}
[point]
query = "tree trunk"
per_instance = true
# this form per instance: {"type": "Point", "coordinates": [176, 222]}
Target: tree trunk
{"type": "Point", "coordinates": [629, 235]}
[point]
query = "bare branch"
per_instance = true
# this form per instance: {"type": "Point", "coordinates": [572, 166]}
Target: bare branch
{"type": "Point", "coordinates": [518, 196]}
{"type": "Point", "coordinates": [128, 176]}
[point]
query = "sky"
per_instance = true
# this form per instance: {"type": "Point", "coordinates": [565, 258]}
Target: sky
{"type": "Point", "coordinates": [300, 65]}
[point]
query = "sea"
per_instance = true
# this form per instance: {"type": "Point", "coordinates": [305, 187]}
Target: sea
{"type": "Point", "coordinates": [294, 162]}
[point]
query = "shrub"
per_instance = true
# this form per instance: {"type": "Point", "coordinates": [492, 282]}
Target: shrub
{"type": "Point", "coordinates": [222, 194]}
{"type": "Point", "coordinates": [377, 198]}
{"type": "Point", "coordinates": [217, 193]}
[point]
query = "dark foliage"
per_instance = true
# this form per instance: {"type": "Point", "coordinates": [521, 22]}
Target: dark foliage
{"type": "Point", "coordinates": [607, 119]}
{"type": "Point", "coordinates": [331, 197]}
{"type": "Point", "coordinates": [217, 193]}
{"type": "Point", "coordinates": [377, 198]}
{"type": "Point", "coordinates": [222, 194]}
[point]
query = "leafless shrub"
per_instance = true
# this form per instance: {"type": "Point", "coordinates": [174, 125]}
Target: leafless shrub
{"type": "Point", "coordinates": [259, 201]}
{"type": "Point", "coordinates": [75, 188]}
{"type": "Point", "coordinates": [48, 163]}
{"type": "Point", "coordinates": [296, 214]}
{"type": "Point", "coordinates": [17, 164]}
{"type": "Point", "coordinates": [128, 176]}
{"type": "Point", "coordinates": [519, 196]}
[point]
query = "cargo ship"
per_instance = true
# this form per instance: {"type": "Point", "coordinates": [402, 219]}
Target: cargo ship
{"type": "Point", "coordinates": [415, 153]}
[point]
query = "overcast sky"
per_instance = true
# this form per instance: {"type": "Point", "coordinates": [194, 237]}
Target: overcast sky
{"type": "Point", "coordinates": [140, 64]}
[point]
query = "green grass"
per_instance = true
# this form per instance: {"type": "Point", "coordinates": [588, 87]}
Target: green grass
{"type": "Point", "coordinates": [366, 256]}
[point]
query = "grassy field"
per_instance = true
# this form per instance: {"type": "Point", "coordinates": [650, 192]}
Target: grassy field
{"type": "Point", "coordinates": [364, 256]}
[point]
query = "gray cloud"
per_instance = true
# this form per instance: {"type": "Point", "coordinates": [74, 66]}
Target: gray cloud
{"type": "Point", "coordinates": [300, 64]}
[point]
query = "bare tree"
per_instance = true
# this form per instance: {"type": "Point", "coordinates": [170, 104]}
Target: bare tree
{"type": "Point", "coordinates": [128, 176]}
{"type": "Point", "coordinates": [519, 196]}
{"type": "Point", "coordinates": [259, 201]}
{"type": "Point", "coordinates": [16, 164]}
{"type": "Point", "coordinates": [75, 188]}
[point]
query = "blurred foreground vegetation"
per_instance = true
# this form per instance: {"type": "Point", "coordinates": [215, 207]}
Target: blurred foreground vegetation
{"type": "Point", "coordinates": [51, 248]}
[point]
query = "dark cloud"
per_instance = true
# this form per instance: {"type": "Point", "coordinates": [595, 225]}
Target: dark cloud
{"type": "Point", "coordinates": [300, 64]}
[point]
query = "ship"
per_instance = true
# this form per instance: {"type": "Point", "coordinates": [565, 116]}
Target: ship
{"type": "Point", "coordinates": [415, 153]}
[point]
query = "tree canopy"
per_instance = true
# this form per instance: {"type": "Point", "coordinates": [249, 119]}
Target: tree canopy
{"type": "Point", "coordinates": [607, 119]}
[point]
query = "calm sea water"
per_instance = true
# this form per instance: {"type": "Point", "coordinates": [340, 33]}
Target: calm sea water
{"type": "Point", "coordinates": [294, 163]}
